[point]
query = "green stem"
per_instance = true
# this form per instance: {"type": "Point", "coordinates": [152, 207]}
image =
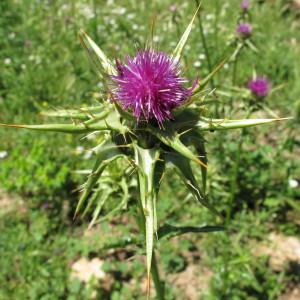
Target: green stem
{"type": "Point", "coordinates": [203, 38]}
{"type": "Point", "coordinates": [216, 24]}
{"type": "Point", "coordinates": [234, 176]}
{"type": "Point", "coordinates": [158, 284]}
{"type": "Point", "coordinates": [235, 58]}
{"type": "Point", "coordinates": [95, 18]}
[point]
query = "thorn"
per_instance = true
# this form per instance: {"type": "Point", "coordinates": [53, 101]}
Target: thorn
{"type": "Point", "coordinates": [162, 176]}
{"type": "Point", "coordinates": [148, 285]}
{"type": "Point", "coordinates": [13, 125]}
{"type": "Point", "coordinates": [75, 216]}
{"type": "Point", "coordinates": [184, 132]}
{"type": "Point", "coordinates": [202, 163]}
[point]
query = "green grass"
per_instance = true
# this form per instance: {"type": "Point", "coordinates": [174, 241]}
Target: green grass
{"type": "Point", "coordinates": [43, 66]}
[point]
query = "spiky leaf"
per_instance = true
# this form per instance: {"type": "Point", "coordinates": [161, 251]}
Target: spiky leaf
{"type": "Point", "coordinates": [185, 171]}
{"type": "Point", "coordinates": [168, 231]}
{"type": "Point", "coordinates": [97, 56]}
{"type": "Point", "coordinates": [178, 50]}
{"type": "Point", "coordinates": [146, 160]}
{"type": "Point", "coordinates": [106, 154]}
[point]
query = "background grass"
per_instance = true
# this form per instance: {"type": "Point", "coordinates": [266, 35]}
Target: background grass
{"type": "Point", "coordinates": [43, 66]}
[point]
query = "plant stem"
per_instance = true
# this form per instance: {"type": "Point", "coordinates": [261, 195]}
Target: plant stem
{"type": "Point", "coordinates": [216, 29]}
{"type": "Point", "coordinates": [95, 18]}
{"type": "Point", "coordinates": [235, 57]}
{"type": "Point", "coordinates": [235, 172]}
{"type": "Point", "coordinates": [203, 38]}
{"type": "Point", "coordinates": [158, 284]}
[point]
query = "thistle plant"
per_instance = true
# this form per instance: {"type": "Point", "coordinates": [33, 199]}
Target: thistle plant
{"type": "Point", "coordinates": [152, 121]}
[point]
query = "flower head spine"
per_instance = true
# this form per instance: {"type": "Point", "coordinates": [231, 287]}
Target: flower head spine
{"type": "Point", "coordinates": [150, 85]}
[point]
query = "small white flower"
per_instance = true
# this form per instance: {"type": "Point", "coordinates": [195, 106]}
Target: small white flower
{"type": "Point", "coordinates": [226, 66]}
{"type": "Point", "coordinates": [202, 56]}
{"type": "Point", "coordinates": [130, 16]}
{"type": "Point", "coordinates": [87, 155]}
{"type": "Point", "coordinates": [122, 10]}
{"type": "Point", "coordinates": [156, 38]}
{"type": "Point", "coordinates": [12, 35]}
{"type": "Point", "coordinates": [87, 12]}
{"type": "Point", "coordinates": [293, 183]}
{"type": "Point", "coordinates": [112, 22]}
{"type": "Point", "coordinates": [3, 154]}
{"type": "Point", "coordinates": [64, 7]}
{"type": "Point", "coordinates": [135, 26]}
{"type": "Point", "coordinates": [197, 63]}
{"type": "Point", "coordinates": [209, 17]}
{"type": "Point", "coordinates": [38, 60]}
{"type": "Point", "coordinates": [7, 61]}
{"type": "Point", "coordinates": [23, 66]}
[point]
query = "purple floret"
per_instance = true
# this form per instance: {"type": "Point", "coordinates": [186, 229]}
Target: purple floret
{"type": "Point", "coordinates": [245, 4]}
{"type": "Point", "coordinates": [259, 86]}
{"type": "Point", "coordinates": [150, 85]}
{"type": "Point", "coordinates": [244, 29]}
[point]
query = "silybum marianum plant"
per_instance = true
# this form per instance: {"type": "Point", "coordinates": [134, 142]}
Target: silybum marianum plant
{"type": "Point", "coordinates": [150, 119]}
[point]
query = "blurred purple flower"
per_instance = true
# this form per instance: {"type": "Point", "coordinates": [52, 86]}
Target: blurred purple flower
{"type": "Point", "coordinates": [244, 29]}
{"type": "Point", "coordinates": [150, 85]}
{"type": "Point", "coordinates": [245, 5]}
{"type": "Point", "coordinates": [259, 86]}
{"type": "Point", "coordinates": [46, 205]}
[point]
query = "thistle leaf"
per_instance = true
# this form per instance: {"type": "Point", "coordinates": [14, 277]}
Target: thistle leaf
{"type": "Point", "coordinates": [185, 171]}
{"type": "Point", "coordinates": [111, 122]}
{"type": "Point", "coordinates": [121, 206]}
{"type": "Point", "coordinates": [177, 51]}
{"type": "Point", "coordinates": [172, 139]}
{"type": "Point", "coordinates": [199, 144]}
{"type": "Point", "coordinates": [103, 197]}
{"type": "Point", "coordinates": [146, 160]}
{"type": "Point", "coordinates": [103, 64]}
{"type": "Point", "coordinates": [80, 113]}
{"type": "Point", "coordinates": [168, 231]}
{"type": "Point", "coordinates": [206, 124]}
{"type": "Point", "coordinates": [223, 124]}
{"type": "Point", "coordinates": [64, 128]}
{"type": "Point", "coordinates": [106, 154]}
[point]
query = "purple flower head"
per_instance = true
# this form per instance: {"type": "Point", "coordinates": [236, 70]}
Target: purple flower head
{"type": "Point", "coordinates": [244, 29]}
{"type": "Point", "coordinates": [245, 5]}
{"type": "Point", "coordinates": [150, 85]}
{"type": "Point", "coordinates": [259, 86]}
